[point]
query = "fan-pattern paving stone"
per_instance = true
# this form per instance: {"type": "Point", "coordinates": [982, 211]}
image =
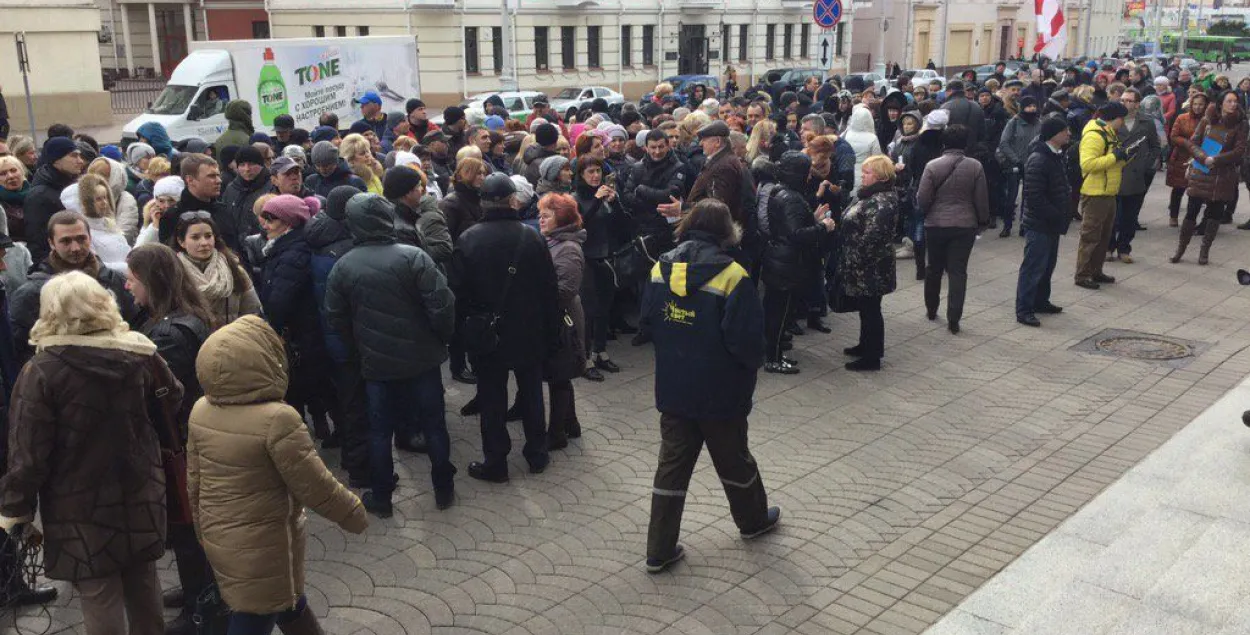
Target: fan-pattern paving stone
{"type": "Point", "coordinates": [903, 491]}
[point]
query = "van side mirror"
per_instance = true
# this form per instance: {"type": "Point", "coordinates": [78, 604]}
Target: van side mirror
{"type": "Point", "coordinates": [195, 113]}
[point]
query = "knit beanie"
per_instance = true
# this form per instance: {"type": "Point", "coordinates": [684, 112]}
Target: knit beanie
{"type": "Point", "coordinates": [57, 148]}
{"type": "Point", "coordinates": [403, 158]}
{"type": "Point", "coordinates": [494, 123]}
{"type": "Point", "coordinates": [547, 135]}
{"type": "Point", "coordinates": [1051, 126]}
{"type": "Point", "coordinates": [524, 191]}
{"type": "Point", "coordinates": [171, 186]}
{"type": "Point", "coordinates": [412, 105]}
{"type": "Point", "coordinates": [295, 152]}
{"type": "Point", "coordinates": [453, 115]}
{"type": "Point", "coordinates": [112, 152]}
{"type": "Point", "coordinates": [399, 181]}
{"type": "Point", "coordinates": [324, 133]}
{"type": "Point", "coordinates": [137, 152]}
{"type": "Point", "coordinates": [324, 153]}
{"type": "Point", "coordinates": [293, 210]}
{"type": "Point", "coordinates": [260, 137]}
{"type": "Point", "coordinates": [549, 169]}
{"type": "Point", "coordinates": [538, 121]}
{"type": "Point", "coordinates": [248, 154]}
{"type": "Point", "coordinates": [937, 120]}
{"type": "Point", "coordinates": [336, 203]}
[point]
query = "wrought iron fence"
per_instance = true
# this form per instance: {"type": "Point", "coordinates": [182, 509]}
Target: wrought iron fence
{"type": "Point", "coordinates": [132, 96]}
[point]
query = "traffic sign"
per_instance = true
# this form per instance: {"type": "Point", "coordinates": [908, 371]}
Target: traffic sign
{"type": "Point", "coordinates": [825, 49]}
{"type": "Point", "coordinates": [827, 13]}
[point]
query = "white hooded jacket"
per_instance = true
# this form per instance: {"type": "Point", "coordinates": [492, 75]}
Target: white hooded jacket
{"type": "Point", "coordinates": [862, 135]}
{"type": "Point", "coordinates": [128, 216]}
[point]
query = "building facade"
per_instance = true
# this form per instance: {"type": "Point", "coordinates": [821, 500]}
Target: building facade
{"type": "Point", "coordinates": [61, 44]}
{"type": "Point", "coordinates": [626, 45]}
{"type": "Point", "coordinates": [148, 39]}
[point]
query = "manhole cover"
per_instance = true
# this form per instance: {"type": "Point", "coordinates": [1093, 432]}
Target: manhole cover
{"type": "Point", "coordinates": [1147, 347]}
{"type": "Point", "coordinates": [1143, 347]}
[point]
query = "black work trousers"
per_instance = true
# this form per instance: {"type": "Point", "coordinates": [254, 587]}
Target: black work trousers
{"type": "Point", "coordinates": [949, 249]}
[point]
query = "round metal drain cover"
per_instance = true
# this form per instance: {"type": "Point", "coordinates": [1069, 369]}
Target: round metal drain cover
{"type": "Point", "coordinates": [1138, 347]}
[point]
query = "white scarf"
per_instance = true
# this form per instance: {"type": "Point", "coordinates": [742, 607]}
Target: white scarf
{"type": "Point", "coordinates": [216, 281]}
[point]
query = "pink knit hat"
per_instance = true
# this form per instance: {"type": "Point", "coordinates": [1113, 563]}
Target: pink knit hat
{"type": "Point", "coordinates": [293, 210]}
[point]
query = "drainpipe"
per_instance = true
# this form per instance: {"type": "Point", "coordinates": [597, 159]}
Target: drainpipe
{"type": "Point", "coordinates": [464, 70]}
{"type": "Point", "coordinates": [620, 53]}
{"type": "Point", "coordinates": [516, 51]}
{"type": "Point", "coordinates": [755, 19]}
{"type": "Point", "coordinates": [849, 29]}
{"type": "Point", "coordinates": [204, 18]}
{"type": "Point", "coordinates": [659, 67]}
{"type": "Point", "coordinates": [407, 17]}
{"type": "Point", "coordinates": [946, 5]}
{"type": "Point", "coordinates": [113, 30]}
{"type": "Point", "coordinates": [908, 39]}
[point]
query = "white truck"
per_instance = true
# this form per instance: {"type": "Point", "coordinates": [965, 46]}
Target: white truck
{"type": "Point", "coordinates": [301, 77]}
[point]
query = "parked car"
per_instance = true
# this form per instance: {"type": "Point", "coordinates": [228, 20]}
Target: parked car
{"type": "Point", "coordinates": [878, 82]}
{"type": "Point", "coordinates": [793, 77]}
{"type": "Point", "coordinates": [683, 83]}
{"type": "Point", "coordinates": [922, 77]}
{"type": "Point", "coordinates": [583, 96]}
{"type": "Point", "coordinates": [984, 72]}
{"type": "Point", "coordinates": [519, 104]}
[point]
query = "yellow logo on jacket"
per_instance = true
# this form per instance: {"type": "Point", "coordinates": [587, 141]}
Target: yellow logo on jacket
{"type": "Point", "coordinates": [674, 313]}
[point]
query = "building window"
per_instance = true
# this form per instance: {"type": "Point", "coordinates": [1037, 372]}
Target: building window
{"type": "Point", "coordinates": [568, 47]}
{"type": "Point", "coordinates": [726, 32]}
{"type": "Point", "coordinates": [471, 63]}
{"type": "Point", "coordinates": [770, 42]}
{"type": "Point", "coordinates": [542, 61]}
{"type": "Point", "coordinates": [805, 40]}
{"type": "Point", "coordinates": [648, 45]}
{"type": "Point", "coordinates": [319, 31]}
{"type": "Point", "coordinates": [260, 30]}
{"type": "Point", "coordinates": [340, 31]}
{"type": "Point", "coordinates": [592, 46]}
{"type": "Point", "coordinates": [742, 42]}
{"type": "Point", "coordinates": [496, 45]}
{"type": "Point", "coordinates": [627, 45]}
{"type": "Point", "coordinates": [362, 30]}
{"type": "Point", "coordinates": [787, 41]}
{"type": "Point", "coordinates": [837, 39]}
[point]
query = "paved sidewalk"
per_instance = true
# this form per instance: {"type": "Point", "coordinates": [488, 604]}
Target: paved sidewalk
{"type": "Point", "coordinates": [1159, 552]}
{"type": "Point", "coordinates": [903, 491]}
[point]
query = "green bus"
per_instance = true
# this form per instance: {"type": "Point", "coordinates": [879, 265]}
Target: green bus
{"type": "Point", "coordinates": [1206, 48]}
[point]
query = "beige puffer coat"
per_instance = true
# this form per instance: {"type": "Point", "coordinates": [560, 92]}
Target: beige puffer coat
{"type": "Point", "coordinates": [252, 468]}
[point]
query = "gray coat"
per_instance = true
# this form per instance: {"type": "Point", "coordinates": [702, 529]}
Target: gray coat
{"type": "Point", "coordinates": [429, 224]}
{"type": "Point", "coordinates": [566, 254]}
{"type": "Point", "coordinates": [388, 300]}
{"type": "Point", "coordinates": [962, 200]}
{"type": "Point", "coordinates": [1133, 180]}
{"type": "Point", "coordinates": [1013, 147]}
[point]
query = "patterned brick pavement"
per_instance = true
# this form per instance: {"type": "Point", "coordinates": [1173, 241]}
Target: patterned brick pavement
{"type": "Point", "coordinates": [903, 491]}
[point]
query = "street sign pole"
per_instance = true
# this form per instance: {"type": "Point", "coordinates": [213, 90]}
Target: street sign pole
{"type": "Point", "coordinates": [23, 64]}
{"type": "Point", "coordinates": [826, 14]}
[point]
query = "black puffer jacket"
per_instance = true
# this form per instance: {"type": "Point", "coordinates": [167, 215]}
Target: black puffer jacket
{"type": "Point", "coordinates": [652, 183]}
{"type": "Point", "coordinates": [529, 316]}
{"type": "Point", "coordinates": [43, 200]}
{"type": "Point", "coordinates": [238, 198]}
{"type": "Point", "coordinates": [286, 292]}
{"type": "Point", "coordinates": [178, 338]}
{"type": "Point", "coordinates": [1047, 194]}
{"type": "Point", "coordinates": [790, 256]}
{"type": "Point", "coordinates": [342, 175]}
{"type": "Point", "coordinates": [462, 209]}
{"type": "Point", "coordinates": [389, 300]}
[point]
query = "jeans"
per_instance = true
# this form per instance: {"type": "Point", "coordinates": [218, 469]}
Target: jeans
{"type": "Point", "coordinates": [681, 442]}
{"type": "Point", "coordinates": [1041, 252]}
{"type": "Point", "coordinates": [1126, 217]}
{"type": "Point", "coordinates": [131, 597]}
{"type": "Point", "coordinates": [492, 400]}
{"type": "Point", "coordinates": [257, 624]}
{"type": "Point", "coordinates": [871, 327]}
{"type": "Point", "coordinates": [391, 404]}
{"type": "Point", "coordinates": [949, 249]}
{"type": "Point", "coordinates": [1012, 180]}
{"type": "Point", "coordinates": [777, 311]}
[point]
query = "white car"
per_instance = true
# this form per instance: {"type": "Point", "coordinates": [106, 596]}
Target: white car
{"type": "Point", "coordinates": [519, 104]}
{"type": "Point", "coordinates": [580, 97]}
{"type": "Point", "coordinates": [922, 77]}
{"type": "Point", "coordinates": [875, 80]}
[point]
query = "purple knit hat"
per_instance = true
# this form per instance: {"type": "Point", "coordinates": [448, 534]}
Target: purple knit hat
{"type": "Point", "coordinates": [293, 210]}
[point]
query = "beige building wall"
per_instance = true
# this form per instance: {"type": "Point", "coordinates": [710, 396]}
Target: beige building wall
{"type": "Point", "coordinates": [441, 36]}
{"type": "Point", "coordinates": [65, 81]}
{"type": "Point", "coordinates": [170, 14]}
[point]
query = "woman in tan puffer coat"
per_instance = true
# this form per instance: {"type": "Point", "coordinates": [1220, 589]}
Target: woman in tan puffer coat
{"type": "Point", "coordinates": [252, 468]}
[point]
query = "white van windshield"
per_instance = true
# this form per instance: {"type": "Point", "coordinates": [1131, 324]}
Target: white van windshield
{"type": "Point", "coordinates": [173, 100]}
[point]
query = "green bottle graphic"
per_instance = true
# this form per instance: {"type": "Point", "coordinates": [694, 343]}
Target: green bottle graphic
{"type": "Point", "coordinates": [271, 91]}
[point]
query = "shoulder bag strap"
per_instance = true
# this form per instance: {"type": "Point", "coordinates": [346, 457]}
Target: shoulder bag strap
{"type": "Point", "coordinates": [947, 177]}
{"type": "Point", "coordinates": [507, 281]}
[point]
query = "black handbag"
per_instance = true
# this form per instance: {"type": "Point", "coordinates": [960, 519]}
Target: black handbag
{"type": "Point", "coordinates": [633, 262]}
{"type": "Point", "coordinates": [839, 301]}
{"type": "Point", "coordinates": [479, 330]}
{"type": "Point", "coordinates": [568, 362]}
{"type": "Point", "coordinates": [211, 616]}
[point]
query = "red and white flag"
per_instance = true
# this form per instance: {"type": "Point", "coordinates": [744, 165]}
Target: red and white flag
{"type": "Point", "coordinates": [1052, 31]}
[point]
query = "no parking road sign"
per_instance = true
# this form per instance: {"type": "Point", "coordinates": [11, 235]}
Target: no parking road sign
{"type": "Point", "coordinates": [827, 13]}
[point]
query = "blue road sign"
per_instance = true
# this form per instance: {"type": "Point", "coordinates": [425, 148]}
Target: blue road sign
{"type": "Point", "coordinates": [827, 13]}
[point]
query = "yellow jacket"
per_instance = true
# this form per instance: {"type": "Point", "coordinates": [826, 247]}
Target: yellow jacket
{"type": "Point", "coordinates": [1099, 165]}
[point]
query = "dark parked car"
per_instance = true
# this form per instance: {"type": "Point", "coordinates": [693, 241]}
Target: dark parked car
{"type": "Point", "coordinates": [793, 77]}
{"type": "Point", "coordinates": [683, 83]}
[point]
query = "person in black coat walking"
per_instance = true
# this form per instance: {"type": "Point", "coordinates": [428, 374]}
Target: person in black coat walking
{"type": "Point", "coordinates": [60, 164]}
{"type": "Point", "coordinates": [502, 274]}
{"type": "Point", "coordinates": [791, 257]}
{"type": "Point", "coordinates": [1047, 212]}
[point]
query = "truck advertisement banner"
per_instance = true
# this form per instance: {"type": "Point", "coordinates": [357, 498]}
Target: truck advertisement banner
{"type": "Point", "coordinates": [304, 80]}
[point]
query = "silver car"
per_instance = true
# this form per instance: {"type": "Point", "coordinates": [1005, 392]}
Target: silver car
{"type": "Point", "coordinates": [579, 97]}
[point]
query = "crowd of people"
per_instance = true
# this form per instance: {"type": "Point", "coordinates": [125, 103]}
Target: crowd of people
{"type": "Point", "coordinates": [179, 315]}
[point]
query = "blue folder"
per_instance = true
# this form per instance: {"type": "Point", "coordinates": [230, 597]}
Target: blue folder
{"type": "Point", "coordinates": [1211, 148]}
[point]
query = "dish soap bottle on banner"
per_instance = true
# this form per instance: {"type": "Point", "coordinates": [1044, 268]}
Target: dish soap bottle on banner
{"type": "Point", "coordinates": [271, 91]}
